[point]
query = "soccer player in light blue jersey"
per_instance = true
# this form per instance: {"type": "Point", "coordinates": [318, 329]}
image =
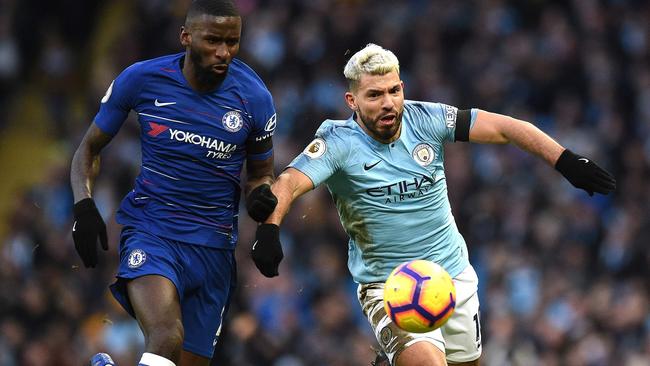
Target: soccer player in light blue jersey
{"type": "Point", "coordinates": [384, 169]}
{"type": "Point", "coordinates": [203, 114]}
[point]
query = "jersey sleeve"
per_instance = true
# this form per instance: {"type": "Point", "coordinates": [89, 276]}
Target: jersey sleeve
{"type": "Point", "coordinates": [260, 143]}
{"type": "Point", "coordinates": [119, 99]}
{"type": "Point", "coordinates": [322, 158]}
{"type": "Point", "coordinates": [448, 123]}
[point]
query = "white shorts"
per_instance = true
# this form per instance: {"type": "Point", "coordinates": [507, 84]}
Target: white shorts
{"type": "Point", "coordinates": [459, 338]}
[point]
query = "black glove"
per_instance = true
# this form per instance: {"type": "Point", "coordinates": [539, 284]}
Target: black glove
{"type": "Point", "coordinates": [267, 250]}
{"type": "Point", "coordinates": [584, 173]}
{"type": "Point", "coordinates": [88, 225]}
{"type": "Point", "coordinates": [261, 202]}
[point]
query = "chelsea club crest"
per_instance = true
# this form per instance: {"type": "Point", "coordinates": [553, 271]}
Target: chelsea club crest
{"type": "Point", "coordinates": [137, 257]}
{"type": "Point", "coordinates": [232, 121]}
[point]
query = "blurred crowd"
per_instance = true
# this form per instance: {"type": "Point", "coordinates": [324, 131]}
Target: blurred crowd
{"type": "Point", "coordinates": [564, 277]}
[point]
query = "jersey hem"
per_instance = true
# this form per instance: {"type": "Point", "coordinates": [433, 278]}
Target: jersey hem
{"type": "Point", "coordinates": [213, 240]}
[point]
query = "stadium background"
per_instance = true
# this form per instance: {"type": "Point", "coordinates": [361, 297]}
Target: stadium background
{"type": "Point", "coordinates": [565, 278]}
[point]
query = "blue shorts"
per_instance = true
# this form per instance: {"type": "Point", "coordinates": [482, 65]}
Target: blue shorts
{"type": "Point", "coordinates": [204, 277]}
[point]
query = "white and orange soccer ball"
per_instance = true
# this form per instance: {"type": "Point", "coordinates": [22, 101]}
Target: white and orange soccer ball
{"type": "Point", "coordinates": [419, 296]}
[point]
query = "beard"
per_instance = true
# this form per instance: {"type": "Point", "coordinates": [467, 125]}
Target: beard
{"type": "Point", "coordinates": [382, 134]}
{"type": "Point", "coordinates": [204, 75]}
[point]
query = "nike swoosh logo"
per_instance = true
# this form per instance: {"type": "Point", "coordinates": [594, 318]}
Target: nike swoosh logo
{"type": "Point", "coordinates": [74, 227]}
{"type": "Point", "coordinates": [254, 245]}
{"type": "Point", "coordinates": [585, 160]}
{"type": "Point", "coordinates": [368, 167]}
{"type": "Point", "coordinates": [162, 104]}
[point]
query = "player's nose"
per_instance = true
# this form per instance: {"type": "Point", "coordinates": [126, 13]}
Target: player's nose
{"type": "Point", "coordinates": [221, 51]}
{"type": "Point", "coordinates": [387, 102]}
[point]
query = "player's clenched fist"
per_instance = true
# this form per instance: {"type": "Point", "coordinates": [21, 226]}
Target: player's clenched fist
{"type": "Point", "coordinates": [267, 250]}
{"type": "Point", "coordinates": [87, 228]}
{"type": "Point", "coordinates": [261, 202]}
{"type": "Point", "coordinates": [584, 173]}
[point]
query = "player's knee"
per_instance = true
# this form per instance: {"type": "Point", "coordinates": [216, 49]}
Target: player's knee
{"type": "Point", "coordinates": [421, 354]}
{"type": "Point", "coordinates": [165, 337]}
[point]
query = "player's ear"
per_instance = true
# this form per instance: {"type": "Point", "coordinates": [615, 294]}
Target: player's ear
{"type": "Point", "coordinates": [185, 37]}
{"type": "Point", "coordinates": [351, 102]}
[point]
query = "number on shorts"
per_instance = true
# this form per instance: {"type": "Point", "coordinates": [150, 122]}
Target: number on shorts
{"type": "Point", "coordinates": [477, 322]}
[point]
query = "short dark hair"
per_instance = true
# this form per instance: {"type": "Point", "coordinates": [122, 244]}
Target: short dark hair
{"type": "Point", "coordinates": [217, 8]}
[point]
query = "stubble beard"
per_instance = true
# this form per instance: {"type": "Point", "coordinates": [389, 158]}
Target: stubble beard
{"type": "Point", "coordinates": [383, 134]}
{"type": "Point", "coordinates": [203, 75]}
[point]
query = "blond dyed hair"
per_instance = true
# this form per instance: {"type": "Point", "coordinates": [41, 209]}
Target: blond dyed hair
{"type": "Point", "coordinates": [372, 60]}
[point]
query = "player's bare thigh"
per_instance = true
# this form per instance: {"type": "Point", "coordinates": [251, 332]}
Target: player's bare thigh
{"type": "Point", "coordinates": [426, 354]}
{"type": "Point", "coordinates": [152, 289]}
{"type": "Point", "coordinates": [157, 309]}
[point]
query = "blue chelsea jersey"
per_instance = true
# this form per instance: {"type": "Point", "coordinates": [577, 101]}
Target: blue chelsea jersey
{"type": "Point", "coordinates": [193, 147]}
{"type": "Point", "coordinates": [391, 198]}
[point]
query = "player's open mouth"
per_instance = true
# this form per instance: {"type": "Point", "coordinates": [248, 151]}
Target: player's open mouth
{"type": "Point", "coordinates": [387, 120]}
{"type": "Point", "coordinates": [221, 68]}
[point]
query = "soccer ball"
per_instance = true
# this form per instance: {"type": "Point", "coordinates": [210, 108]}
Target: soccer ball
{"type": "Point", "coordinates": [419, 296]}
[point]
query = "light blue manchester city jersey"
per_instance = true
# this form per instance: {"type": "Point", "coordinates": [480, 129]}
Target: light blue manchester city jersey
{"type": "Point", "coordinates": [391, 198]}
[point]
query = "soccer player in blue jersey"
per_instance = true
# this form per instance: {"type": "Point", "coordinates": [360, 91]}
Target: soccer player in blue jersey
{"type": "Point", "coordinates": [384, 169]}
{"type": "Point", "coordinates": [203, 114]}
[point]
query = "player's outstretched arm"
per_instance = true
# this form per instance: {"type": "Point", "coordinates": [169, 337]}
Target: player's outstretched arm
{"type": "Point", "coordinates": [260, 201]}
{"type": "Point", "coordinates": [291, 184]}
{"type": "Point", "coordinates": [581, 172]}
{"type": "Point", "coordinates": [88, 225]}
{"type": "Point", "coordinates": [267, 250]}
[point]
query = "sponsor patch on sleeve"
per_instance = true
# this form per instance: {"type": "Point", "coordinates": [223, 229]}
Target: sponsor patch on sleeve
{"type": "Point", "coordinates": [316, 148]}
{"type": "Point", "coordinates": [270, 124]}
{"type": "Point", "coordinates": [450, 116]}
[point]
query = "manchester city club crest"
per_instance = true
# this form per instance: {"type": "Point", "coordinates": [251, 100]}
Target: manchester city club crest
{"type": "Point", "coordinates": [423, 154]}
{"type": "Point", "coordinates": [137, 258]}
{"type": "Point", "coordinates": [232, 121]}
{"type": "Point", "coordinates": [385, 335]}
